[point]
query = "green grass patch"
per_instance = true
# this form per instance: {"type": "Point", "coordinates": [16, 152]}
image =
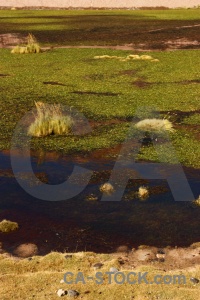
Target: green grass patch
{"type": "Point", "coordinates": [192, 120]}
{"type": "Point", "coordinates": [103, 90]}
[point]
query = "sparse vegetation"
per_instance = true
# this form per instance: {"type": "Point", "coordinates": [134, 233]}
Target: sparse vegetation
{"type": "Point", "coordinates": [8, 226]}
{"type": "Point", "coordinates": [50, 120]}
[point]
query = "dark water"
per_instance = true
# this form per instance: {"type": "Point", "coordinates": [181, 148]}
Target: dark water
{"type": "Point", "coordinates": [93, 225]}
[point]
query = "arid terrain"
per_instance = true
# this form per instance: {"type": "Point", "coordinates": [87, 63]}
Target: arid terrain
{"type": "Point", "coordinates": [101, 3]}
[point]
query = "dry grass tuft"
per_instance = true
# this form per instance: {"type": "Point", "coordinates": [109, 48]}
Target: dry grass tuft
{"type": "Point", "coordinates": [91, 197]}
{"type": "Point", "coordinates": [197, 202]}
{"type": "Point", "coordinates": [127, 58]}
{"type": "Point", "coordinates": [8, 226]}
{"type": "Point", "coordinates": [155, 125]}
{"type": "Point", "coordinates": [143, 193]}
{"type": "Point", "coordinates": [50, 120]}
{"type": "Point", "coordinates": [146, 57]}
{"type": "Point", "coordinates": [107, 188]}
{"type": "Point", "coordinates": [31, 47]}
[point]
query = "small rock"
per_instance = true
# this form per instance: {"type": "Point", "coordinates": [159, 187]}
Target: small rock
{"type": "Point", "coordinates": [62, 281]}
{"type": "Point", "coordinates": [68, 256]}
{"type": "Point", "coordinates": [121, 261]}
{"type": "Point", "coordinates": [72, 293]}
{"type": "Point", "coordinates": [194, 280]}
{"type": "Point", "coordinates": [61, 292]}
{"type": "Point", "coordinates": [25, 250]}
{"type": "Point", "coordinates": [160, 254]}
{"type": "Point", "coordinates": [161, 251]}
{"type": "Point", "coordinates": [123, 249]}
{"type": "Point", "coordinates": [97, 266]}
{"type": "Point", "coordinates": [114, 270]}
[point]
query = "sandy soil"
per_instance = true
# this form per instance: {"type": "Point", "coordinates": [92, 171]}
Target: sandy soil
{"type": "Point", "coordinates": [101, 3]}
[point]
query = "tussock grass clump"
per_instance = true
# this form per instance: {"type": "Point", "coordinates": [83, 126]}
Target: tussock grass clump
{"type": "Point", "coordinates": [91, 197]}
{"type": "Point", "coordinates": [50, 120]}
{"type": "Point", "coordinates": [107, 188]}
{"type": "Point", "coordinates": [155, 125]}
{"type": "Point", "coordinates": [143, 193]}
{"type": "Point", "coordinates": [196, 202]}
{"type": "Point", "coordinates": [8, 226]}
{"type": "Point", "coordinates": [31, 47]}
{"type": "Point", "coordinates": [127, 58]}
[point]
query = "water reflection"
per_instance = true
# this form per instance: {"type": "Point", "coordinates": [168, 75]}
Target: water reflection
{"type": "Point", "coordinates": [84, 222]}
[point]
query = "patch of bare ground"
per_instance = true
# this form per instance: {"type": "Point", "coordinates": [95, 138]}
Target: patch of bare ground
{"type": "Point", "coordinates": [166, 258]}
{"type": "Point", "coordinates": [25, 250]}
{"type": "Point", "coordinates": [4, 75]}
{"type": "Point", "coordinates": [11, 39]}
{"type": "Point", "coordinates": [94, 93]}
{"type": "Point", "coordinates": [54, 83]}
{"type": "Point", "coordinates": [182, 43]}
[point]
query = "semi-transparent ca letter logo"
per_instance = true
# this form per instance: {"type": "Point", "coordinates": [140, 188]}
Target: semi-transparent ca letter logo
{"type": "Point", "coordinates": [125, 167]}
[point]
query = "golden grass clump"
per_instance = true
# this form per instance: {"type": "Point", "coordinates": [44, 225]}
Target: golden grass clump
{"type": "Point", "coordinates": [102, 56]}
{"type": "Point", "coordinates": [91, 197]}
{"type": "Point", "coordinates": [146, 57]}
{"type": "Point", "coordinates": [31, 47]}
{"type": "Point", "coordinates": [107, 188]}
{"type": "Point", "coordinates": [134, 56]}
{"type": "Point", "coordinates": [143, 193]}
{"type": "Point", "coordinates": [155, 125]}
{"type": "Point", "coordinates": [197, 202]}
{"type": "Point", "coordinates": [127, 58]}
{"type": "Point", "coordinates": [8, 226]}
{"type": "Point", "coordinates": [50, 120]}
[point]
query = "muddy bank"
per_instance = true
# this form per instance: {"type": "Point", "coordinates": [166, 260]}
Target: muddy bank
{"type": "Point", "coordinates": [10, 40]}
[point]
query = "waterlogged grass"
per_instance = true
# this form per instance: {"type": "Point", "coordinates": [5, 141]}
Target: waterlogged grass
{"type": "Point", "coordinates": [111, 27]}
{"type": "Point", "coordinates": [104, 90]}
